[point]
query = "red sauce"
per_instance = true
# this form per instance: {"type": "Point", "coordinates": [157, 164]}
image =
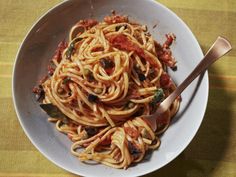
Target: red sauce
{"type": "Point", "coordinates": [132, 132]}
{"type": "Point", "coordinates": [97, 49]}
{"type": "Point", "coordinates": [43, 79]}
{"type": "Point", "coordinates": [121, 42]}
{"type": "Point", "coordinates": [50, 70]}
{"type": "Point", "coordinates": [134, 95]}
{"type": "Point", "coordinates": [36, 90]}
{"type": "Point", "coordinates": [164, 54]}
{"type": "Point", "coordinates": [167, 58]}
{"type": "Point", "coordinates": [165, 80]}
{"type": "Point", "coordinates": [115, 19]}
{"type": "Point", "coordinates": [169, 40]}
{"type": "Point", "coordinates": [87, 24]}
{"type": "Point", "coordinates": [133, 92]}
{"type": "Point", "coordinates": [58, 53]}
{"type": "Point", "coordinates": [109, 71]}
{"type": "Point", "coordinates": [73, 103]}
{"type": "Point", "coordinates": [106, 141]}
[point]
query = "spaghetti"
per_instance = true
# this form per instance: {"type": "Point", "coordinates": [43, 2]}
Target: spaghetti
{"type": "Point", "coordinates": [102, 82]}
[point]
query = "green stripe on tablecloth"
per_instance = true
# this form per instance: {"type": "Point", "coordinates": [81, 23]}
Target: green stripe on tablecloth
{"type": "Point", "coordinates": [8, 51]}
{"type": "Point", "coordinates": [224, 67]}
{"type": "Point", "coordinates": [210, 5]}
{"type": "Point", "coordinates": [183, 167]}
{"type": "Point", "coordinates": [5, 86]}
{"type": "Point", "coordinates": [7, 69]}
{"type": "Point", "coordinates": [207, 25]}
{"type": "Point", "coordinates": [26, 162]}
{"type": "Point", "coordinates": [17, 16]}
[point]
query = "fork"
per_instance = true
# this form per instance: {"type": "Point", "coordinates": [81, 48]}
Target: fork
{"type": "Point", "coordinates": [220, 47]}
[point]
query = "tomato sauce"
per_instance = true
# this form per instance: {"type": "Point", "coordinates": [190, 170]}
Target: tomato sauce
{"type": "Point", "coordinates": [115, 19]}
{"type": "Point", "coordinates": [165, 80]}
{"type": "Point", "coordinates": [132, 132]}
{"type": "Point", "coordinates": [58, 53]}
{"type": "Point", "coordinates": [121, 42]}
{"type": "Point", "coordinates": [88, 23]}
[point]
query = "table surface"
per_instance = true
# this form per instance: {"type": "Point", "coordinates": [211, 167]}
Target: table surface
{"type": "Point", "coordinates": [213, 150]}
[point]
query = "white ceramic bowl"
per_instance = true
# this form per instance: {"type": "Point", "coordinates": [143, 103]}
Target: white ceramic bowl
{"type": "Point", "coordinates": [38, 47]}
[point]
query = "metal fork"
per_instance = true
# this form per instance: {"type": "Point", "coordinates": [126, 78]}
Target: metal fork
{"type": "Point", "coordinates": [220, 47]}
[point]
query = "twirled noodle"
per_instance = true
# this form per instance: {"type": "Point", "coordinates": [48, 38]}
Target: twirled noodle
{"type": "Point", "coordinates": [106, 77]}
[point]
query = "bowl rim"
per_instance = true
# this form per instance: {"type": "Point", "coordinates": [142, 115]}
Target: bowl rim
{"type": "Point", "coordinates": [151, 169]}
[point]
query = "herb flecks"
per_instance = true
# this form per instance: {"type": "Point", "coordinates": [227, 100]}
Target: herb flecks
{"type": "Point", "coordinates": [71, 47]}
{"type": "Point", "coordinates": [66, 80]}
{"type": "Point", "coordinates": [158, 96]}
{"type": "Point", "coordinates": [53, 111]}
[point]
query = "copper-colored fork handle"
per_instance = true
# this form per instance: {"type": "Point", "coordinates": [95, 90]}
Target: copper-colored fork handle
{"type": "Point", "coordinates": [218, 49]}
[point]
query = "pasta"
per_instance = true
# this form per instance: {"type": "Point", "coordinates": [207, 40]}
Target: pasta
{"type": "Point", "coordinates": [99, 85]}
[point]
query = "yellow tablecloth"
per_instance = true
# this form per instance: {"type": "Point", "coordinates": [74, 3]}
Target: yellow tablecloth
{"type": "Point", "coordinates": [213, 150]}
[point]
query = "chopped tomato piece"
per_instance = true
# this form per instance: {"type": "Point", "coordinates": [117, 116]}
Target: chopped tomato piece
{"type": "Point", "coordinates": [50, 70]}
{"type": "Point", "coordinates": [87, 24]}
{"type": "Point", "coordinates": [107, 141]}
{"type": "Point", "coordinates": [115, 19]}
{"type": "Point", "coordinates": [122, 42]}
{"type": "Point", "coordinates": [169, 40]}
{"type": "Point", "coordinates": [132, 132]}
{"type": "Point", "coordinates": [109, 71]}
{"type": "Point", "coordinates": [165, 80]}
{"type": "Point", "coordinates": [58, 53]}
{"type": "Point", "coordinates": [165, 55]}
{"type": "Point", "coordinates": [167, 58]}
{"type": "Point", "coordinates": [97, 49]}
{"type": "Point", "coordinates": [133, 93]}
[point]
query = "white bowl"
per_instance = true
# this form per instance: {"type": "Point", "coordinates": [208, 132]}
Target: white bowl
{"type": "Point", "coordinates": [38, 47]}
